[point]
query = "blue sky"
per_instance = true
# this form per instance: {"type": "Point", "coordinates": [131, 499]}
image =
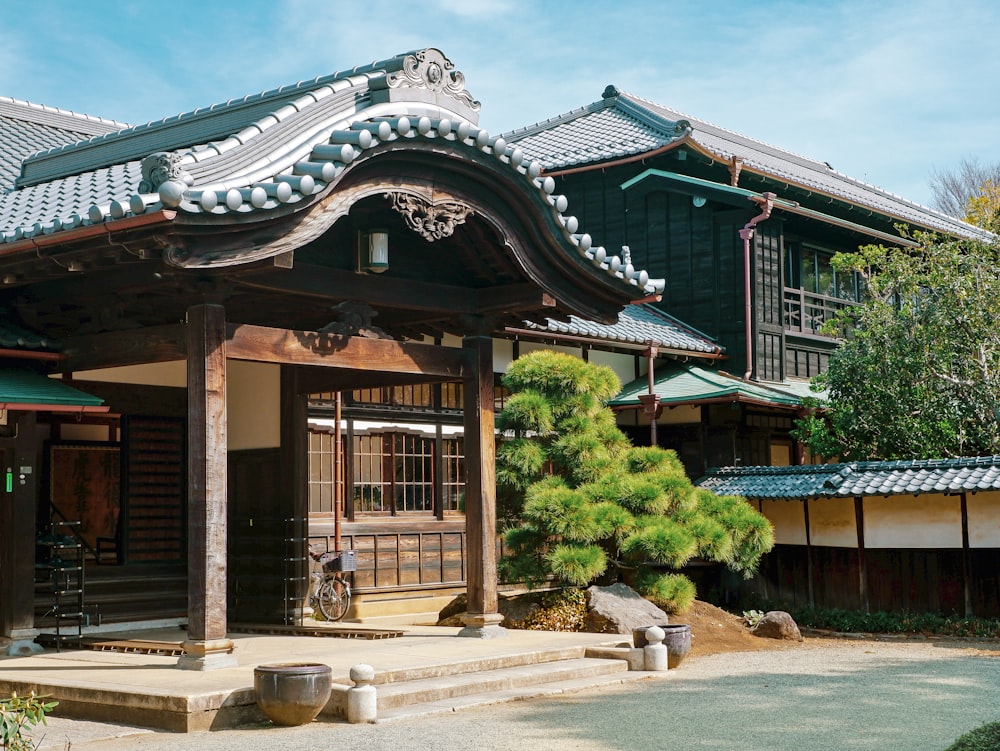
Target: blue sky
{"type": "Point", "coordinates": [884, 90]}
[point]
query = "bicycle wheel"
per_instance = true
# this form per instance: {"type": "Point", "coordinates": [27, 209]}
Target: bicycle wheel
{"type": "Point", "coordinates": [334, 598]}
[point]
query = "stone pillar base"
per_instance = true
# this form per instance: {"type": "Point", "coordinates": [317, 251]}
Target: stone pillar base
{"type": "Point", "coordinates": [207, 655]}
{"type": "Point", "coordinates": [483, 626]}
{"type": "Point", "coordinates": [22, 642]}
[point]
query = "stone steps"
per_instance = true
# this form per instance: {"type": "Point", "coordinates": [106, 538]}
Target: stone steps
{"type": "Point", "coordinates": [461, 686]}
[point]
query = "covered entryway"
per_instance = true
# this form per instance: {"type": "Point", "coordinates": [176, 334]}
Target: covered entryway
{"type": "Point", "coordinates": [333, 232]}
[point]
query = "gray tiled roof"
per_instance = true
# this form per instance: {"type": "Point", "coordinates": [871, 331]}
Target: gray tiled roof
{"type": "Point", "coordinates": [848, 480]}
{"type": "Point", "coordinates": [637, 324]}
{"type": "Point", "coordinates": [258, 154]}
{"type": "Point", "coordinates": [26, 128]}
{"type": "Point", "coordinates": [622, 125]}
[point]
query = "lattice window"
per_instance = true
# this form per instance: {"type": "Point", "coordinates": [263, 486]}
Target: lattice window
{"type": "Point", "coordinates": [453, 482]}
{"type": "Point", "coordinates": [322, 473]}
{"type": "Point", "coordinates": [371, 456]}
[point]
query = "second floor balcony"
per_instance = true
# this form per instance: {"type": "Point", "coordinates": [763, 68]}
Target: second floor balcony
{"type": "Point", "coordinates": [805, 312]}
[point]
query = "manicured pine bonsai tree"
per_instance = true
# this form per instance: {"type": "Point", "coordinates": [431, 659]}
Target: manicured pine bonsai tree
{"type": "Point", "coordinates": [580, 505]}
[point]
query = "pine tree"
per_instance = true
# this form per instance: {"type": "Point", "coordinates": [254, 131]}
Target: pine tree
{"type": "Point", "coordinates": [581, 505]}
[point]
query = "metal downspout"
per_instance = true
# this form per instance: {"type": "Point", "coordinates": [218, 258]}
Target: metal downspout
{"type": "Point", "coordinates": [746, 234]}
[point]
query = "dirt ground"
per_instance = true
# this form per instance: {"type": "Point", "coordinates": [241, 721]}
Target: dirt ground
{"type": "Point", "coordinates": [713, 631]}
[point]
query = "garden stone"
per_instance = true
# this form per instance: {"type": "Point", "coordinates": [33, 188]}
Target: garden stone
{"type": "Point", "coordinates": [777, 624]}
{"type": "Point", "coordinates": [619, 609]}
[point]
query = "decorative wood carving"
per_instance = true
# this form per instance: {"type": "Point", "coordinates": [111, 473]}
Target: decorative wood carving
{"type": "Point", "coordinates": [354, 319]}
{"type": "Point", "coordinates": [431, 220]}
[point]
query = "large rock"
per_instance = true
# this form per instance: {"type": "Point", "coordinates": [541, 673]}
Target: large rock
{"type": "Point", "coordinates": [619, 609]}
{"type": "Point", "coordinates": [777, 624]}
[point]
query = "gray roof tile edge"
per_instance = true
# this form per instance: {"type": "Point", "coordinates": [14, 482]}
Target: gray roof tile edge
{"type": "Point", "coordinates": [25, 110]}
{"type": "Point", "coordinates": [293, 182]}
{"type": "Point", "coordinates": [280, 92]}
{"type": "Point", "coordinates": [850, 479]}
{"type": "Point", "coordinates": [653, 116]}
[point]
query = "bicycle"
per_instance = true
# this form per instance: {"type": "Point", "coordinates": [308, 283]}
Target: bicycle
{"type": "Point", "coordinates": [333, 592]}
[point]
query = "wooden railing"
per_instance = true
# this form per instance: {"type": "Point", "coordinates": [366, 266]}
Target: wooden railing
{"type": "Point", "coordinates": [805, 312]}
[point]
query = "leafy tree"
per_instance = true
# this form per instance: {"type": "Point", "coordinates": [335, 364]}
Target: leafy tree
{"type": "Point", "coordinates": [918, 373]}
{"type": "Point", "coordinates": [581, 504]}
{"type": "Point", "coordinates": [954, 191]}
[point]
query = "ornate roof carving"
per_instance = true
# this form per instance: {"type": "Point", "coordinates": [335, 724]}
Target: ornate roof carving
{"type": "Point", "coordinates": [430, 69]}
{"type": "Point", "coordinates": [432, 220]}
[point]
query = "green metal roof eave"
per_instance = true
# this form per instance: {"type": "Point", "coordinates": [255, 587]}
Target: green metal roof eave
{"type": "Point", "coordinates": [694, 182]}
{"type": "Point", "coordinates": [697, 385]}
{"type": "Point", "coordinates": [793, 207]}
{"type": "Point", "coordinates": [20, 388]}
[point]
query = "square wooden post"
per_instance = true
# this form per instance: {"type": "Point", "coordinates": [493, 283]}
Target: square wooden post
{"type": "Point", "coordinates": [18, 526]}
{"type": "Point", "coordinates": [207, 647]}
{"type": "Point", "coordinates": [481, 619]}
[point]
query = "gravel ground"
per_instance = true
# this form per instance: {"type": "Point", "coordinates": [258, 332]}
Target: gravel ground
{"type": "Point", "coordinates": [827, 695]}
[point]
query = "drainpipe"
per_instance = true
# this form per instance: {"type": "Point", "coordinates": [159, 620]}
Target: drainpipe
{"type": "Point", "coordinates": [338, 480]}
{"type": "Point", "coordinates": [650, 401]}
{"type": "Point", "coordinates": [746, 234]}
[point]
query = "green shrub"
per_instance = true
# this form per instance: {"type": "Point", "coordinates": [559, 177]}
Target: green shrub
{"type": "Point", "coordinates": [985, 738]}
{"type": "Point", "coordinates": [852, 621]}
{"type": "Point", "coordinates": [19, 714]}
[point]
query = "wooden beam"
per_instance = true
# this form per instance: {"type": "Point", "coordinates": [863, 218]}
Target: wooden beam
{"type": "Point", "coordinates": [287, 347]}
{"type": "Point", "coordinates": [120, 348]}
{"type": "Point", "coordinates": [334, 285]}
{"type": "Point", "coordinates": [207, 646]}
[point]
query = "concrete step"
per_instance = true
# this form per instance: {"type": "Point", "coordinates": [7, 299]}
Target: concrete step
{"type": "Point", "coordinates": [509, 684]}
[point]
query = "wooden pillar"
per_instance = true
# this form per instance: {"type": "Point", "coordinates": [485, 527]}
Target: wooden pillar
{"type": "Point", "coordinates": [481, 619]}
{"type": "Point", "coordinates": [19, 527]}
{"type": "Point", "coordinates": [859, 520]}
{"type": "Point", "coordinates": [966, 558]}
{"type": "Point", "coordinates": [295, 503]}
{"type": "Point", "coordinates": [207, 647]}
{"type": "Point", "coordinates": [809, 554]}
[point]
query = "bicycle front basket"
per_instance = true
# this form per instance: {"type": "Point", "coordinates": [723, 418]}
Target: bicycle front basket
{"type": "Point", "coordinates": [345, 561]}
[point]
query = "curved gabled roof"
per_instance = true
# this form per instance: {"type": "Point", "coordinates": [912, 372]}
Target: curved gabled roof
{"type": "Point", "coordinates": [272, 154]}
{"type": "Point", "coordinates": [622, 125]}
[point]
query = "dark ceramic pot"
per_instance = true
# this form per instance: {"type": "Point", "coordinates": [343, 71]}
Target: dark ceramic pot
{"type": "Point", "coordinates": [677, 640]}
{"type": "Point", "coordinates": [639, 634]}
{"type": "Point", "coordinates": [292, 693]}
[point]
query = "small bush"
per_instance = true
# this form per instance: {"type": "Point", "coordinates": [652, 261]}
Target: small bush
{"type": "Point", "coordinates": [985, 738]}
{"type": "Point", "coordinates": [19, 714]}
{"type": "Point", "coordinates": [562, 610]}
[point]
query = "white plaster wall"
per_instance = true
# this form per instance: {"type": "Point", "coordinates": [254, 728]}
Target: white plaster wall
{"type": "Point", "coordinates": [832, 523]}
{"type": "Point", "coordinates": [503, 354]}
{"type": "Point", "coordinates": [623, 365]}
{"type": "Point", "coordinates": [154, 374]}
{"type": "Point", "coordinates": [984, 519]}
{"type": "Point", "coordinates": [253, 404]}
{"type": "Point", "coordinates": [787, 519]}
{"type": "Point", "coordinates": [526, 347]}
{"type": "Point", "coordinates": [925, 521]}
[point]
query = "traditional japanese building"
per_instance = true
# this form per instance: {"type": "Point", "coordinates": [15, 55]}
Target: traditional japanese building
{"type": "Point", "coordinates": [743, 233]}
{"type": "Point", "coordinates": [199, 277]}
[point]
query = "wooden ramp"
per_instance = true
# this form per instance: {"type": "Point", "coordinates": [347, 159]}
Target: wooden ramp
{"type": "Point", "coordinates": [337, 632]}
